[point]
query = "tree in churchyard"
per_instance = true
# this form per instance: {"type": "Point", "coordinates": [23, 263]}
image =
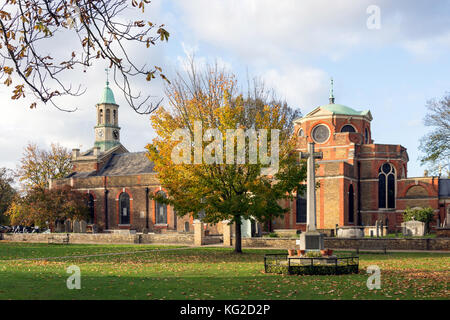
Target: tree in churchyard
{"type": "Point", "coordinates": [38, 166]}
{"type": "Point", "coordinates": [7, 192]}
{"type": "Point", "coordinates": [31, 33]}
{"type": "Point", "coordinates": [436, 144]}
{"type": "Point", "coordinates": [42, 207]}
{"type": "Point", "coordinates": [212, 149]}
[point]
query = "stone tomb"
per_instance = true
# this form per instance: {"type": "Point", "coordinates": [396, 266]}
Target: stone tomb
{"type": "Point", "coordinates": [413, 228]}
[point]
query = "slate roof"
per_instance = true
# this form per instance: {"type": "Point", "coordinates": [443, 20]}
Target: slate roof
{"type": "Point", "coordinates": [444, 188]}
{"type": "Point", "coordinates": [129, 163]}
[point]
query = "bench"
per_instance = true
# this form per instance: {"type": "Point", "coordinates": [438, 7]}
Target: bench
{"type": "Point", "coordinates": [58, 239]}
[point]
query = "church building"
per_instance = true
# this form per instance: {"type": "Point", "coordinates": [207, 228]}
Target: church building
{"type": "Point", "coordinates": [360, 182]}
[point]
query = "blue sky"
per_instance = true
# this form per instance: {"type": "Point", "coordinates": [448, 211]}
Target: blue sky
{"type": "Point", "coordinates": [295, 46]}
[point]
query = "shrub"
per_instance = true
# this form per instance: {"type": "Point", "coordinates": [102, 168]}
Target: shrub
{"type": "Point", "coordinates": [419, 214]}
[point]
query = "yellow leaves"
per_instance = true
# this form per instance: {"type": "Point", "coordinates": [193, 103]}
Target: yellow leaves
{"type": "Point", "coordinates": [5, 15]}
{"type": "Point", "coordinates": [164, 35]}
{"type": "Point", "coordinates": [18, 92]}
{"type": "Point", "coordinates": [8, 81]}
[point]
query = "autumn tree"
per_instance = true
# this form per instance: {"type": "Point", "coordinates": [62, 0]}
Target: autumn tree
{"type": "Point", "coordinates": [436, 144]}
{"type": "Point", "coordinates": [92, 31]}
{"type": "Point", "coordinates": [7, 192]}
{"type": "Point", "coordinates": [42, 207]}
{"type": "Point", "coordinates": [205, 104]}
{"type": "Point", "coordinates": [38, 166]}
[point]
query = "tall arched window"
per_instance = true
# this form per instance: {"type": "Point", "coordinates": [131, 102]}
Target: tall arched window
{"type": "Point", "coordinates": [91, 207]}
{"type": "Point", "coordinates": [301, 133]}
{"type": "Point", "coordinates": [100, 116]}
{"type": "Point", "coordinates": [108, 116]}
{"type": "Point", "coordinates": [114, 117]}
{"type": "Point", "coordinates": [366, 136]}
{"type": "Point", "coordinates": [161, 210]}
{"type": "Point", "coordinates": [301, 208]}
{"type": "Point", "coordinates": [351, 204]}
{"type": "Point", "coordinates": [124, 207]}
{"type": "Point", "coordinates": [348, 128]}
{"type": "Point", "coordinates": [386, 186]}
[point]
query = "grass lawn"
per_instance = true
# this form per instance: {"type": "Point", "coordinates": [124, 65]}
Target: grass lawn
{"type": "Point", "coordinates": [205, 273]}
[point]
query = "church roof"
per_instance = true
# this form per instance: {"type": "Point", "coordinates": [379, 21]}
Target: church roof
{"type": "Point", "coordinates": [130, 163]}
{"type": "Point", "coordinates": [341, 109]}
{"type": "Point", "coordinates": [444, 188]}
{"type": "Point", "coordinates": [107, 96]}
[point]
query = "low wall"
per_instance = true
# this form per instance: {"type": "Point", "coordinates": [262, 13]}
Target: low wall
{"type": "Point", "coordinates": [443, 232]}
{"type": "Point", "coordinates": [352, 243]}
{"type": "Point", "coordinates": [105, 238]}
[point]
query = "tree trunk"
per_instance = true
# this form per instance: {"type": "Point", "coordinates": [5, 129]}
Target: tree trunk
{"type": "Point", "coordinates": [238, 236]}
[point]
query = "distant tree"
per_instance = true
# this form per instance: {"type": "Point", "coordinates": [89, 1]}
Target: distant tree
{"type": "Point", "coordinates": [29, 29]}
{"type": "Point", "coordinates": [38, 166]}
{"type": "Point", "coordinates": [7, 192]}
{"type": "Point", "coordinates": [41, 206]}
{"type": "Point", "coordinates": [436, 144]}
{"type": "Point", "coordinates": [224, 191]}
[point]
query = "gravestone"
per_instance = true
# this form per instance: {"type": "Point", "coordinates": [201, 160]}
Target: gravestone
{"type": "Point", "coordinates": [83, 226]}
{"type": "Point", "coordinates": [413, 228]}
{"type": "Point", "coordinates": [59, 226]}
{"type": "Point", "coordinates": [67, 226]}
{"type": "Point", "coordinates": [76, 226]}
{"type": "Point", "coordinates": [246, 228]}
{"type": "Point", "coordinates": [94, 228]}
{"type": "Point", "coordinates": [350, 232]}
{"type": "Point", "coordinates": [311, 239]}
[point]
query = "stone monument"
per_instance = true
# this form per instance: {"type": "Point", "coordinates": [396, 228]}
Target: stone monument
{"type": "Point", "coordinates": [76, 226]}
{"type": "Point", "coordinates": [67, 226]}
{"type": "Point", "coordinates": [413, 228]}
{"type": "Point", "coordinates": [311, 239]}
{"type": "Point", "coordinates": [83, 226]}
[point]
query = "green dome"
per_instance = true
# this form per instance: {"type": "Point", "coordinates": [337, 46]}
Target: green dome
{"type": "Point", "coordinates": [341, 109]}
{"type": "Point", "coordinates": [107, 96]}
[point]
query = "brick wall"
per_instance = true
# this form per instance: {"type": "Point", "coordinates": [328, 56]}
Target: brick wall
{"type": "Point", "coordinates": [342, 243]}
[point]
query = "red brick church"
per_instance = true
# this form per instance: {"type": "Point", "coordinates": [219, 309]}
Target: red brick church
{"type": "Point", "coordinates": [360, 181]}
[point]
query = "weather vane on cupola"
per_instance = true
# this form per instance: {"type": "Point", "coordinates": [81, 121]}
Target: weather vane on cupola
{"type": "Point", "coordinates": [107, 76]}
{"type": "Point", "coordinates": [331, 93]}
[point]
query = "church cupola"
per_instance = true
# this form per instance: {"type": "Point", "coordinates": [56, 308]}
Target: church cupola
{"type": "Point", "coordinates": [107, 130]}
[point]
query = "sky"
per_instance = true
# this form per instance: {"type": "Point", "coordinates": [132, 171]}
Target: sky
{"type": "Point", "coordinates": [390, 57]}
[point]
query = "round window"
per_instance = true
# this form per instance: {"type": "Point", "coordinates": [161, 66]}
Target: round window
{"type": "Point", "coordinates": [320, 133]}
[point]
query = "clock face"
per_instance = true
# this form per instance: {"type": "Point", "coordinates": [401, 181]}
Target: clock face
{"type": "Point", "coordinates": [116, 134]}
{"type": "Point", "coordinates": [100, 133]}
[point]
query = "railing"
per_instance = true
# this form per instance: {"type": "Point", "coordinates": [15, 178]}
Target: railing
{"type": "Point", "coordinates": [281, 263]}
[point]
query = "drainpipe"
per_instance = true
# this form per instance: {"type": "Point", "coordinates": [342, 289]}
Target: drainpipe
{"type": "Point", "coordinates": [106, 205]}
{"type": "Point", "coordinates": [358, 218]}
{"type": "Point", "coordinates": [146, 207]}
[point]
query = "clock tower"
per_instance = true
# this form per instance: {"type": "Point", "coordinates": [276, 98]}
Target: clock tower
{"type": "Point", "coordinates": [107, 130]}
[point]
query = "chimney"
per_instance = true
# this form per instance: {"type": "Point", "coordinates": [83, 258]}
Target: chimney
{"type": "Point", "coordinates": [75, 153]}
{"type": "Point", "coordinates": [96, 151]}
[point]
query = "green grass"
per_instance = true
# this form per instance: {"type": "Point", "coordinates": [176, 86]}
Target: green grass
{"type": "Point", "coordinates": [205, 273]}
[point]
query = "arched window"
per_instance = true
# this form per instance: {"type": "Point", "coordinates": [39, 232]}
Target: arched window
{"type": "Point", "coordinates": [301, 208]}
{"type": "Point", "coordinates": [348, 128]}
{"type": "Point", "coordinates": [366, 136]}
{"type": "Point", "coordinates": [114, 117]}
{"type": "Point", "coordinates": [351, 204]}
{"type": "Point", "coordinates": [301, 133]}
{"type": "Point", "coordinates": [124, 207]}
{"type": "Point", "coordinates": [108, 116]}
{"type": "Point", "coordinates": [386, 186]}
{"type": "Point", "coordinates": [100, 116]}
{"type": "Point", "coordinates": [161, 210]}
{"type": "Point", "coordinates": [91, 206]}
